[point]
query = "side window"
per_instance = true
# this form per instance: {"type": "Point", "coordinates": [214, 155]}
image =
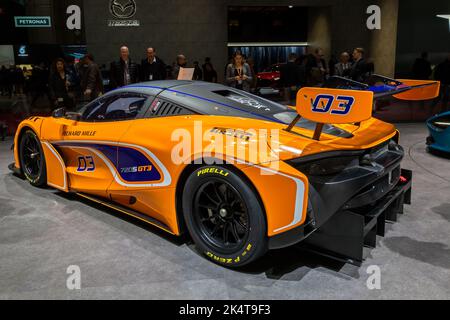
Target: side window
{"type": "Point", "coordinates": [120, 107]}
{"type": "Point", "coordinates": [94, 108]}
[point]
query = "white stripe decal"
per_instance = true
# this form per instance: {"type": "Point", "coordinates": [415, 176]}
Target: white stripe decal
{"type": "Point", "coordinates": [299, 195]}
{"type": "Point", "coordinates": [299, 198]}
{"type": "Point", "coordinates": [167, 179]}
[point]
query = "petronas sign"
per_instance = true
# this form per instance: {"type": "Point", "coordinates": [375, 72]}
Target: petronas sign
{"type": "Point", "coordinates": [32, 22]}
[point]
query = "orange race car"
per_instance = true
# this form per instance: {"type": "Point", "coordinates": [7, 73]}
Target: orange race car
{"type": "Point", "coordinates": [239, 173]}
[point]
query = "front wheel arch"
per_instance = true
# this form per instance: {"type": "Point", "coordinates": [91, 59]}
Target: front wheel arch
{"type": "Point", "coordinates": [41, 180]}
{"type": "Point", "coordinates": [19, 138]}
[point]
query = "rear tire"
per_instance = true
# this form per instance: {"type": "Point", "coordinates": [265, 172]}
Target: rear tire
{"type": "Point", "coordinates": [32, 159]}
{"type": "Point", "coordinates": [224, 216]}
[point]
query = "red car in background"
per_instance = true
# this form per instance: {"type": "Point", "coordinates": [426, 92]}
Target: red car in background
{"type": "Point", "coordinates": [270, 77]}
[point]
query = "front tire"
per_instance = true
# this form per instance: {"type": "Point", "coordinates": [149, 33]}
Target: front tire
{"type": "Point", "coordinates": [224, 216]}
{"type": "Point", "coordinates": [32, 159]}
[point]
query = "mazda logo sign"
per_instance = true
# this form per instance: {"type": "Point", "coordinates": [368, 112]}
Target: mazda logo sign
{"type": "Point", "coordinates": [122, 9]}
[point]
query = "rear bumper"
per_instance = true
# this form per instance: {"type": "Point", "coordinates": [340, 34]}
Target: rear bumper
{"type": "Point", "coordinates": [345, 234]}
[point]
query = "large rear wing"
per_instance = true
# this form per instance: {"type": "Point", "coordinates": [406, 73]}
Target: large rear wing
{"type": "Point", "coordinates": [381, 86]}
{"type": "Point", "coordinates": [348, 101]}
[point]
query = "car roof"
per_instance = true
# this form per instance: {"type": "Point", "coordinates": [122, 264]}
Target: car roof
{"type": "Point", "coordinates": [206, 98]}
{"type": "Point", "coordinates": [201, 97]}
{"type": "Point", "coordinates": [164, 83]}
{"type": "Point", "coordinates": [216, 99]}
{"type": "Point", "coordinates": [150, 87]}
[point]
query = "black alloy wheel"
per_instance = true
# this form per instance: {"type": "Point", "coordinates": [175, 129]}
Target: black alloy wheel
{"type": "Point", "coordinates": [224, 215]}
{"type": "Point", "coordinates": [32, 160]}
{"type": "Point", "coordinates": [221, 215]}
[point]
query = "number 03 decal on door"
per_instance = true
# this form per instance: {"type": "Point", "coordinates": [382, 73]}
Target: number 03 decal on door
{"type": "Point", "coordinates": [86, 163]}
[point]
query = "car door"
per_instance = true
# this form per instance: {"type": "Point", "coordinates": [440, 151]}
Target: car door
{"type": "Point", "coordinates": [89, 145]}
{"type": "Point", "coordinates": [145, 182]}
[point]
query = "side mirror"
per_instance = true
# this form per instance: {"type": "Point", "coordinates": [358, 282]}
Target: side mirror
{"type": "Point", "coordinates": [59, 113]}
{"type": "Point", "coordinates": [75, 116]}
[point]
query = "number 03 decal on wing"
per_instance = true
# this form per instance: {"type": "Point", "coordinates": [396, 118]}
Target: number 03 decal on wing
{"type": "Point", "coordinates": [325, 105]}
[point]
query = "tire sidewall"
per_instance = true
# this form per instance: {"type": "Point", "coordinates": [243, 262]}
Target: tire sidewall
{"type": "Point", "coordinates": [256, 242]}
{"type": "Point", "coordinates": [41, 179]}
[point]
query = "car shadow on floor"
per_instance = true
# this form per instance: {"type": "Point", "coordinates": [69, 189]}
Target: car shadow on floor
{"type": "Point", "coordinates": [438, 153]}
{"type": "Point", "coordinates": [294, 261]}
{"type": "Point", "coordinates": [443, 210]}
{"type": "Point", "coordinates": [291, 263]}
{"type": "Point", "coordinates": [275, 264]}
{"type": "Point", "coordinates": [176, 240]}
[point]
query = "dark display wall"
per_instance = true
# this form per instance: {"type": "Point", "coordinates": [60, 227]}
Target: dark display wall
{"type": "Point", "coordinates": [199, 28]}
{"type": "Point", "coordinates": [267, 24]}
{"type": "Point", "coordinates": [420, 30]}
{"type": "Point", "coordinates": [9, 33]}
{"type": "Point", "coordinates": [57, 33]}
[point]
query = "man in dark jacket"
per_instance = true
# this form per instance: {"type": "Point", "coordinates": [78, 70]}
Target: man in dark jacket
{"type": "Point", "coordinates": [442, 73]}
{"type": "Point", "coordinates": [422, 67]}
{"type": "Point", "coordinates": [359, 69]}
{"type": "Point", "coordinates": [198, 73]}
{"type": "Point", "coordinates": [124, 71]}
{"type": "Point", "coordinates": [181, 62]}
{"type": "Point", "coordinates": [316, 67]}
{"type": "Point", "coordinates": [292, 76]}
{"type": "Point", "coordinates": [209, 74]}
{"type": "Point", "coordinates": [152, 67]}
{"type": "Point", "coordinates": [91, 78]}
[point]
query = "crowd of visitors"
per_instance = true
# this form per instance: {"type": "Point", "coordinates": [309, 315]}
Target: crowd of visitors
{"type": "Point", "coordinates": [67, 83]}
{"type": "Point", "coordinates": [442, 73]}
{"type": "Point", "coordinates": [12, 81]}
{"type": "Point", "coordinates": [423, 70]}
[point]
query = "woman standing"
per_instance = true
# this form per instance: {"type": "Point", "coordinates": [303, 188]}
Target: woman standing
{"type": "Point", "coordinates": [58, 85]}
{"type": "Point", "coordinates": [239, 75]}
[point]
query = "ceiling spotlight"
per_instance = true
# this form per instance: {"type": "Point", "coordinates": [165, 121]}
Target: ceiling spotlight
{"type": "Point", "coordinates": [290, 7]}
